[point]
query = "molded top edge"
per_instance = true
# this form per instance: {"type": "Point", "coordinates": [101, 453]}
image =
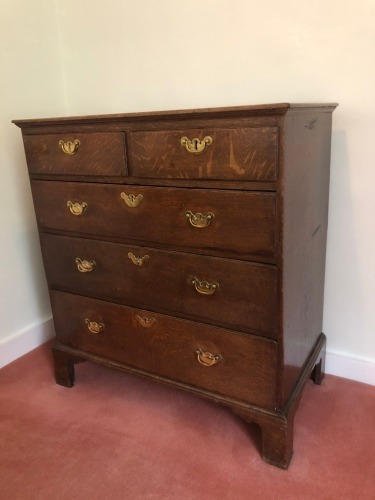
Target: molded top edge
{"type": "Point", "coordinates": [259, 109]}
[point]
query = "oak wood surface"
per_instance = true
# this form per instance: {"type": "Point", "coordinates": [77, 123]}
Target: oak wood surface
{"type": "Point", "coordinates": [168, 347]}
{"type": "Point", "coordinates": [245, 297]}
{"type": "Point", "coordinates": [276, 109]}
{"type": "Point", "coordinates": [305, 221]}
{"type": "Point", "coordinates": [240, 154]}
{"type": "Point", "coordinates": [244, 222]}
{"type": "Point", "coordinates": [100, 154]}
{"type": "Point", "coordinates": [264, 249]}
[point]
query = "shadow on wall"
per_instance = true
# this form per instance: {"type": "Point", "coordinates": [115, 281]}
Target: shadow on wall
{"type": "Point", "coordinates": [343, 298]}
{"type": "Point", "coordinates": [25, 236]}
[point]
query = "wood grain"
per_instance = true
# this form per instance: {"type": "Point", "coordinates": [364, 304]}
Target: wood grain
{"type": "Point", "coordinates": [245, 299]}
{"type": "Point", "coordinates": [169, 347]}
{"type": "Point", "coordinates": [244, 222]}
{"type": "Point", "coordinates": [240, 154]}
{"type": "Point", "coordinates": [101, 154]}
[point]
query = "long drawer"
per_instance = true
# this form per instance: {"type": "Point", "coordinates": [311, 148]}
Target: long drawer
{"type": "Point", "coordinates": [98, 154]}
{"type": "Point", "coordinates": [225, 362]}
{"type": "Point", "coordinates": [242, 223]}
{"type": "Point", "coordinates": [247, 153]}
{"type": "Point", "coordinates": [226, 292]}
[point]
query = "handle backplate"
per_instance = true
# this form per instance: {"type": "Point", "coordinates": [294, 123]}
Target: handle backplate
{"type": "Point", "coordinates": [138, 261]}
{"type": "Point", "coordinates": [70, 147]}
{"type": "Point", "coordinates": [93, 326]}
{"type": "Point", "coordinates": [207, 358]}
{"type": "Point", "coordinates": [76, 208]}
{"type": "Point", "coordinates": [196, 146]}
{"type": "Point", "coordinates": [198, 219]}
{"type": "Point", "coordinates": [85, 266]}
{"type": "Point", "coordinates": [144, 321]}
{"type": "Point", "coordinates": [204, 287]}
{"type": "Point", "coordinates": [132, 200]}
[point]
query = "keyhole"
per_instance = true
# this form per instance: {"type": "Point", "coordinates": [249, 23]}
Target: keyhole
{"type": "Point", "coordinates": [195, 141]}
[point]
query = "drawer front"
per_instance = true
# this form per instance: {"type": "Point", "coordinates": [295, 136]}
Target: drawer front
{"type": "Point", "coordinates": [242, 366]}
{"type": "Point", "coordinates": [97, 154]}
{"type": "Point", "coordinates": [227, 154]}
{"type": "Point", "coordinates": [222, 291]}
{"type": "Point", "coordinates": [242, 223]}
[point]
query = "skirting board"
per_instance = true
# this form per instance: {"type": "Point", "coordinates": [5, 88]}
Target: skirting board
{"type": "Point", "coordinates": [337, 364]}
{"type": "Point", "coordinates": [342, 365]}
{"type": "Point", "coordinates": [25, 341]}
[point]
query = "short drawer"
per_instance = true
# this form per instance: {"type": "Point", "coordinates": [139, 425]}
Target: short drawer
{"type": "Point", "coordinates": [222, 361]}
{"type": "Point", "coordinates": [241, 223]}
{"type": "Point", "coordinates": [226, 292]}
{"type": "Point", "coordinates": [248, 153]}
{"type": "Point", "coordinates": [96, 154]}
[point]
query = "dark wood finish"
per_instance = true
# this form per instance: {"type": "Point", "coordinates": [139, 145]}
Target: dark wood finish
{"type": "Point", "coordinates": [168, 347]}
{"type": "Point", "coordinates": [252, 114]}
{"type": "Point", "coordinates": [98, 154]}
{"type": "Point", "coordinates": [265, 248]}
{"type": "Point", "coordinates": [240, 154]}
{"type": "Point", "coordinates": [244, 299]}
{"type": "Point", "coordinates": [64, 368]}
{"type": "Point", "coordinates": [305, 219]}
{"type": "Point", "coordinates": [247, 229]}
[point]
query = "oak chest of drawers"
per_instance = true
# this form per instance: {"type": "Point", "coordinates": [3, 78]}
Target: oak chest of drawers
{"type": "Point", "coordinates": [189, 247]}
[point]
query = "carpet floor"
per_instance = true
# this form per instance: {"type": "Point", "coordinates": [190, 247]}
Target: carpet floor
{"type": "Point", "coordinates": [115, 436]}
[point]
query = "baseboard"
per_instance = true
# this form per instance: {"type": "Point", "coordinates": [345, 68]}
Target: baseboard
{"type": "Point", "coordinates": [21, 343]}
{"type": "Point", "coordinates": [342, 365]}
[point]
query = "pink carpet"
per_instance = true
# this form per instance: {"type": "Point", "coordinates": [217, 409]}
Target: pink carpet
{"type": "Point", "coordinates": [114, 436]}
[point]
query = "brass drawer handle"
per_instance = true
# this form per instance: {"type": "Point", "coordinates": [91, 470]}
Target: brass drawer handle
{"type": "Point", "coordinates": [145, 321]}
{"type": "Point", "coordinates": [94, 327]}
{"type": "Point", "coordinates": [196, 146]}
{"type": "Point", "coordinates": [206, 358]}
{"type": "Point", "coordinates": [85, 266]}
{"type": "Point", "coordinates": [70, 147]}
{"type": "Point", "coordinates": [76, 208]}
{"type": "Point", "coordinates": [131, 199]}
{"type": "Point", "coordinates": [204, 287]}
{"type": "Point", "coordinates": [138, 261]}
{"type": "Point", "coordinates": [198, 219]}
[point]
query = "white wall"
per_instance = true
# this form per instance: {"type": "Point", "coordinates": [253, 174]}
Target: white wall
{"type": "Point", "coordinates": [31, 84]}
{"type": "Point", "coordinates": [126, 55]}
{"type": "Point", "coordinates": [167, 54]}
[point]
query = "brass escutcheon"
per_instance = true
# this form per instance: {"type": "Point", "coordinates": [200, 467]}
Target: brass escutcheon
{"type": "Point", "coordinates": [76, 208]}
{"type": "Point", "coordinates": [196, 146]}
{"type": "Point", "coordinates": [204, 287]}
{"type": "Point", "coordinates": [70, 147]}
{"type": "Point", "coordinates": [138, 261]}
{"type": "Point", "coordinates": [132, 200]}
{"type": "Point", "coordinates": [206, 358]}
{"type": "Point", "coordinates": [93, 326]}
{"type": "Point", "coordinates": [145, 321]}
{"type": "Point", "coordinates": [85, 266]}
{"type": "Point", "coordinates": [199, 220]}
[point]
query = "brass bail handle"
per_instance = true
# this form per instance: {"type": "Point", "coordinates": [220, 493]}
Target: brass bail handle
{"type": "Point", "coordinates": [207, 358]}
{"type": "Point", "coordinates": [70, 147]}
{"type": "Point", "coordinates": [196, 146]}
{"type": "Point", "coordinates": [93, 326]}
{"type": "Point", "coordinates": [76, 208]}
{"type": "Point", "coordinates": [198, 219]}
{"type": "Point", "coordinates": [85, 266]}
{"type": "Point", "coordinates": [132, 200]}
{"type": "Point", "coordinates": [204, 287]}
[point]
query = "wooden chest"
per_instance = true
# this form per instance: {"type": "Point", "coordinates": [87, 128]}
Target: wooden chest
{"type": "Point", "coordinates": [189, 247]}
